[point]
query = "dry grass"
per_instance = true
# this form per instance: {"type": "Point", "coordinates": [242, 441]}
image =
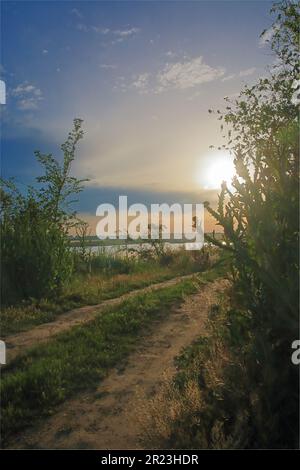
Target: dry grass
{"type": "Point", "coordinates": [182, 414]}
{"type": "Point", "coordinates": [170, 409]}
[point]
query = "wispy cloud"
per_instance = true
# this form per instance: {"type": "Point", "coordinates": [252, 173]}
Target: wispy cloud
{"type": "Point", "coordinates": [183, 75]}
{"type": "Point", "coordinates": [77, 13]}
{"type": "Point", "coordinates": [82, 27]}
{"type": "Point", "coordinates": [91, 28]}
{"type": "Point", "coordinates": [120, 85]}
{"type": "Point", "coordinates": [108, 66]}
{"type": "Point", "coordinates": [171, 54]}
{"type": "Point", "coordinates": [124, 33]}
{"type": "Point", "coordinates": [247, 72]}
{"type": "Point", "coordinates": [117, 35]}
{"type": "Point", "coordinates": [228, 77]}
{"type": "Point", "coordinates": [27, 96]}
{"type": "Point", "coordinates": [187, 74]}
{"type": "Point", "coordinates": [141, 82]}
{"type": "Point", "coordinates": [242, 73]}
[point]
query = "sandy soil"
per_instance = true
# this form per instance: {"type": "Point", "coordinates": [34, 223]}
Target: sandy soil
{"type": "Point", "coordinates": [107, 418]}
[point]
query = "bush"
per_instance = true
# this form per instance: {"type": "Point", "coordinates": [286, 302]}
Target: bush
{"type": "Point", "coordinates": [237, 387]}
{"type": "Point", "coordinates": [260, 218]}
{"type": "Point", "coordinates": [35, 249]}
{"type": "Point", "coordinates": [36, 257]}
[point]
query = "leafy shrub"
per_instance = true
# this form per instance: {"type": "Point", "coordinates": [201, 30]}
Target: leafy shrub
{"type": "Point", "coordinates": [237, 387]}
{"type": "Point", "coordinates": [35, 251]}
{"type": "Point", "coordinates": [260, 218]}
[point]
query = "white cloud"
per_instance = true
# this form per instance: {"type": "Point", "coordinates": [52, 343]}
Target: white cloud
{"type": "Point", "coordinates": [2, 92]}
{"type": "Point", "coordinates": [83, 27]}
{"type": "Point", "coordinates": [120, 84]}
{"type": "Point", "coordinates": [245, 73]}
{"type": "Point", "coordinates": [179, 75]}
{"type": "Point", "coordinates": [124, 33]}
{"type": "Point", "coordinates": [27, 104]}
{"type": "Point", "coordinates": [242, 73]}
{"type": "Point", "coordinates": [108, 66]}
{"type": "Point", "coordinates": [188, 74]}
{"type": "Point", "coordinates": [141, 82]}
{"type": "Point", "coordinates": [91, 28]}
{"type": "Point", "coordinates": [119, 35]}
{"type": "Point", "coordinates": [99, 29]}
{"type": "Point", "coordinates": [228, 77]}
{"type": "Point", "coordinates": [45, 51]}
{"type": "Point", "coordinates": [77, 13]}
{"type": "Point", "coordinates": [27, 96]}
{"type": "Point", "coordinates": [171, 54]}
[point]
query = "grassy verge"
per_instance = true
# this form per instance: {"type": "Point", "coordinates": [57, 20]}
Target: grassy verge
{"type": "Point", "coordinates": [194, 409]}
{"type": "Point", "coordinates": [113, 277]}
{"type": "Point", "coordinates": [83, 291]}
{"type": "Point", "coordinates": [222, 387]}
{"type": "Point", "coordinates": [33, 385]}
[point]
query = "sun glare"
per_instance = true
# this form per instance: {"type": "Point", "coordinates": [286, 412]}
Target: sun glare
{"type": "Point", "coordinates": [218, 168]}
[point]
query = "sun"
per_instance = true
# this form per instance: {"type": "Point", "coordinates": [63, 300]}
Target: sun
{"type": "Point", "coordinates": [218, 167]}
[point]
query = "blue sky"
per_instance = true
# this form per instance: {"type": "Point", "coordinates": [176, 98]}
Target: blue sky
{"type": "Point", "coordinates": [142, 75]}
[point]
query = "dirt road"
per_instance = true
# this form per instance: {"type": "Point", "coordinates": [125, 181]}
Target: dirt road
{"type": "Point", "coordinates": [18, 343]}
{"type": "Point", "coordinates": [108, 418]}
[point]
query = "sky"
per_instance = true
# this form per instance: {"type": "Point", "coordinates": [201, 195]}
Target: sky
{"type": "Point", "coordinates": [142, 75]}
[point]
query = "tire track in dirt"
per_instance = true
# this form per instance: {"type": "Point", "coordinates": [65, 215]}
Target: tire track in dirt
{"type": "Point", "coordinates": [18, 343]}
{"type": "Point", "coordinates": [107, 418]}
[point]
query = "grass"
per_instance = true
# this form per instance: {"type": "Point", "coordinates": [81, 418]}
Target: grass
{"type": "Point", "coordinates": [112, 276]}
{"type": "Point", "coordinates": [34, 384]}
{"type": "Point", "coordinates": [191, 410]}
{"type": "Point", "coordinates": [211, 402]}
{"type": "Point", "coordinates": [88, 290]}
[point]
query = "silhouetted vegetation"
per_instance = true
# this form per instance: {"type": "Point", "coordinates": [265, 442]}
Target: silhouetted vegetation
{"type": "Point", "coordinates": [36, 258]}
{"type": "Point", "coordinates": [260, 218]}
{"type": "Point", "coordinates": [237, 388]}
